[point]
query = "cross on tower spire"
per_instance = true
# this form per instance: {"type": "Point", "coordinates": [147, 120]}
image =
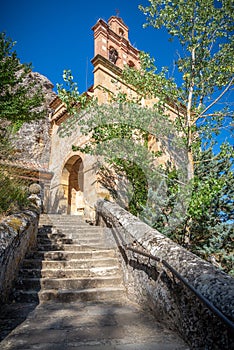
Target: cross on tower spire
{"type": "Point", "coordinates": [117, 12]}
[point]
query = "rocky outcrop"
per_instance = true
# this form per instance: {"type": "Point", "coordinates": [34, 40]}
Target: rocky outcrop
{"type": "Point", "coordinates": [32, 141]}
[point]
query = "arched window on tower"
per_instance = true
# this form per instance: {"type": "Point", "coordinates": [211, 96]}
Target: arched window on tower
{"type": "Point", "coordinates": [121, 32]}
{"type": "Point", "coordinates": [113, 55]}
{"type": "Point", "coordinates": [131, 64]}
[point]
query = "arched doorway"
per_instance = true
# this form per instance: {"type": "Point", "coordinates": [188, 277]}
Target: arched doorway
{"type": "Point", "coordinates": [73, 185]}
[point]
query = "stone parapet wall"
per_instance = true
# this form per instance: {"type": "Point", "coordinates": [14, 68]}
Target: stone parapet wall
{"type": "Point", "coordinates": [154, 286]}
{"type": "Point", "coordinates": [18, 233]}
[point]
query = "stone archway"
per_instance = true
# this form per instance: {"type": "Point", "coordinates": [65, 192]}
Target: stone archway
{"type": "Point", "coordinates": [73, 185]}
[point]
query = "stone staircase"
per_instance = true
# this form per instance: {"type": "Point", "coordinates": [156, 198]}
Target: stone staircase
{"type": "Point", "coordinates": [72, 263]}
{"type": "Point", "coordinates": [70, 295]}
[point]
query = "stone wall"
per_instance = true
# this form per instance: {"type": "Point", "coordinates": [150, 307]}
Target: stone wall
{"type": "Point", "coordinates": [154, 286]}
{"type": "Point", "coordinates": [18, 234]}
{"type": "Point", "coordinates": [61, 153]}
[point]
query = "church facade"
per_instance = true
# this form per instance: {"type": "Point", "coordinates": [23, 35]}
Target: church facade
{"type": "Point", "coordinates": [74, 187]}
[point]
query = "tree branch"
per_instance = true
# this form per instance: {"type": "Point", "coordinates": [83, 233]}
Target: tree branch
{"type": "Point", "coordinates": [216, 100]}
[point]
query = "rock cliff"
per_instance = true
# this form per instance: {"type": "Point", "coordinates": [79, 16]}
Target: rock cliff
{"type": "Point", "coordinates": [32, 141]}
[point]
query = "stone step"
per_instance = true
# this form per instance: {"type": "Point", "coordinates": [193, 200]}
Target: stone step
{"type": "Point", "coordinates": [102, 325]}
{"type": "Point", "coordinates": [71, 241]}
{"type": "Point", "coordinates": [72, 264]}
{"type": "Point", "coordinates": [67, 231]}
{"type": "Point", "coordinates": [68, 227]}
{"type": "Point", "coordinates": [66, 241]}
{"type": "Point", "coordinates": [77, 238]}
{"type": "Point", "coordinates": [82, 300]}
{"type": "Point", "coordinates": [62, 295]}
{"type": "Point", "coordinates": [68, 283]}
{"type": "Point", "coordinates": [53, 237]}
{"type": "Point", "coordinates": [46, 241]}
{"type": "Point", "coordinates": [70, 273]}
{"type": "Point", "coordinates": [61, 217]}
{"type": "Point", "coordinates": [57, 235]}
{"type": "Point", "coordinates": [66, 267]}
{"type": "Point", "coordinates": [72, 255]}
{"type": "Point", "coordinates": [69, 221]}
{"type": "Point", "coordinates": [64, 224]}
{"type": "Point", "coordinates": [69, 247]}
{"type": "Point", "coordinates": [105, 293]}
{"type": "Point", "coordinates": [92, 325]}
{"type": "Point", "coordinates": [54, 220]}
{"type": "Point", "coordinates": [71, 234]}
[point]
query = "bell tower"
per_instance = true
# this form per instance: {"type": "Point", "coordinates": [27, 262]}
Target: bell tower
{"type": "Point", "coordinates": [112, 50]}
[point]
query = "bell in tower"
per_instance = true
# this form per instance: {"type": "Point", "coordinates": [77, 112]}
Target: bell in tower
{"type": "Point", "coordinates": [113, 55]}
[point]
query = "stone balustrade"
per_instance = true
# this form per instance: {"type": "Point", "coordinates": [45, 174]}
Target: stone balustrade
{"type": "Point", "coordinates": [18, 234]}
{"type": "Point", "coordinates": [154, 286]}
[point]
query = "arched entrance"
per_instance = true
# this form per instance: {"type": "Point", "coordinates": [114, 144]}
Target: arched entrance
{"type": "Point", "coordinates": [73, 185]}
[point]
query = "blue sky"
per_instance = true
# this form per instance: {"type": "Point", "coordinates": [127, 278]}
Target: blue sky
{"type": "Point", "coordinates": [56, 34]}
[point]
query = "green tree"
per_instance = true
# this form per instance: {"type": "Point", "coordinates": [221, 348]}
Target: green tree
{"type": "Point", "coordinates": [194, 207]}
{"type": "Point", "coordinates": [204, 30]}
{"type": "Point", "coordinates": [212, 206]}
{"type": "Point", "coordinates": [21, 100]}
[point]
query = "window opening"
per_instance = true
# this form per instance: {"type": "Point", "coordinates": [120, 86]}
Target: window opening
{"type": "Point", "coordinates": [113, 55]}
{"type": "Point", "coordinates": [131, 64]}
{"type": "Point", "coordinates": [121, 32]}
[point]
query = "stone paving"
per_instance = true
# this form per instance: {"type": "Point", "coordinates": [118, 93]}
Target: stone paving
{"type": "Point", "coordinates": [90, 325]}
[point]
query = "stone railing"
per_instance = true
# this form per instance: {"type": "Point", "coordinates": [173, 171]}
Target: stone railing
{"type": "Point", "coordinates": [155, 287]}
{"type": "Point", "coordinates": [18, 235]}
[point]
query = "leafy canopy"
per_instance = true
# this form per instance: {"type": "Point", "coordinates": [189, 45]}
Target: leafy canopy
{"type": "Point", "coordinates": [204, 29]}
{"type": "Point", "coordinates": [19, 100]}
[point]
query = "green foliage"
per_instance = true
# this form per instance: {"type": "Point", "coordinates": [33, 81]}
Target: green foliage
{"type": "Point", "coordinates": [197, 215]}
{"type": "Point", "coordinates": [13, 193]}
{"type": "Point", "coordinates": [70, 95]}
{"type": "Point", "coordinates": [18, 102]}
{"type": "Point", "coordinates": [205, 224]}
{"type": "Point", "coordinates": [153, 84]}
{"type": "Point", "coordinates": [21, 101]}
{"type": "Point", "coordinates": [212, 205]}
{"type": "Point", "coordinates": [189, 198]}
{"type": "Point", "coordinates": [205, 31]}
{"type": "Point", "coordinates": [138, 192]}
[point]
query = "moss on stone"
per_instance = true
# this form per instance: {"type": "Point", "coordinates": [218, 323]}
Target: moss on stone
{"type": "Point", "coordinates": [15, 223]}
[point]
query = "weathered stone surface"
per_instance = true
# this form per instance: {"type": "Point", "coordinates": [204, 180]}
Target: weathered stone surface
{"type": "Point", "coordinates": [32, 141]}
{"type": "Point", "coordinates": [91, 325]}
{"type": "Point", "coordinates": [154, 285]}
{"type": "Point", "coordinates": [17, 236]}
{"type": "Point", "coordinates": [61, 152]}
{"type": "Point", "coordinates": [35, 188]}
{"type": "Point", "coordinates": [64, 272]}
{"type": "Point", "coordinates": [83, 308]}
